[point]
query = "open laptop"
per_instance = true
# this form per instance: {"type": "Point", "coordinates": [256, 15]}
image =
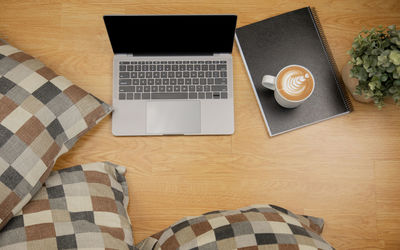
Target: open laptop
{"type": "Point", "coordinates": [172, 74]}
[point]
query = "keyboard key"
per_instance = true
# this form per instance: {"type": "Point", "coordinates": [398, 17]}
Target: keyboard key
{"type": "Point", "coordinates": [134, 75]}
{"type": "Point", "coordinates": [146, 89]}
{"type": "Point", "coordinates": [122, 96]}
{"type": "Point", "coordinates": [163, 74]}
{"type": "Point", "coordinates": [181, 95]}
{"type": "Point", "coordinates": [196, 81]}
{"type": "Point", "coordinates": [145, 68]}
{"type": "Point", "coordinates": [186, 74]}
{"type": "Point", "coordinates": [138, 68]}
{"type": "Point", "coordinates": [135, 81]}
{"type": "Point", "coordinates": [154, 88]}
{"type": "Point", "coordinates": [201, 95]}
{"type": "Point", "coordinates": [221, 67]}
{"type": "Point", "coordinates": [209, 74]}
{"type": "Point", "coordinates": [141, 74]}
{"type": "Point", "coordinates": [197, 67]}
{"type": "Point", "coordinates": [124, 62]}
{"type": "Point", "coordinates": [149, 75]}
{"type": "Point", "coordinates": [178, 74]}
{"type": "Point", "coordinates": [211, 67]}
{"type": "Point", "coordinates": [153, 67]}
{"type": "Point", "coordinates": [143, 81]}
{"type": "Point", "coordinates": [139, 89]}
{"type": "Point", "coordinates": [193, 74]}
{"type": "Point", "coordinates": [177, 88]}
{"type": "Point", "coordinates": [207, 88]}
{"type": "Point", "coordinates": [216, 95]}
{"type": "Point", "coordinates": [161, 88]}
{"type": "Point", "coordinates": [129, 96]}
{"type": "Point", "coordinates": [158, 81]}
{"type": "Point", "coordinates": [172, 81]}
{"type": "Point", "coordinates": [210, 81]}
{"type": "Point", "coordinates": [204, 67]}
{"type": "Point", "coordinates": [160, 68]}
{"type": "Point", "coordinates": [203, 81]}
{"type": "Point", "coordinates": [200, 74]}
{"type": "Point", "coordinates": [126, 88]}
{"type": "Point", "coordinates": [165, 82]}
{"type": "Point", "coordinates": [199, 88]}
{"type": "Point", "coordinates": [219, 88]}
{"type": "Point", "coordinates": [175, 67]}
{"type": "Point", "coordinates": [221, 81]}
{"type": "Point", "coordinates": [184, 88]}
{"type": "Point", "coordinates": [215, 74]}
{"type": "Point", "coordinates": [171, 74]}
{"type": "Point", "coordinates": [146, 96]}
{"type": "Point", "coordinates": [188, 81]}
{"type": "Point", "coordinates": [208, 95]}
{"type": "Point", "coordinates": [192, 95]}
{"type": "Point", "coordinates": [137, 96]}
{"type": "Point", "coordinates": [124, 74]}
{"type": "Point", "coordinates": [192, 88]}
{"type": "Point", "coordinates": [223, 74]}
{"type": "Point", "coordinates": [122, 68]}
{"type": "Point", "coordinates": [224, 95]}
{"type": "Point", "coordinates": [182, 67]}
{"type": "Point", "coordinates": [180, 81]}
{"type": "Point", "coordinates": [130, 68]}
{"type": "Point", "coordinates": [150, 81]}
{"type": "Point", "coordinates": [125, 81]}
{"type": "Point", "coordinates": [156, 74]}
{"type": "Point", "coordinates": [169, 89]}
{"type": "Point", "coordinates": [167, 67]}
{"type": "Point", "coordinates": [189, 67]}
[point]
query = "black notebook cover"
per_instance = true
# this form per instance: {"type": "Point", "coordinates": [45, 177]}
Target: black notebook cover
{"type": "Point", "coordinates": [292, 38]}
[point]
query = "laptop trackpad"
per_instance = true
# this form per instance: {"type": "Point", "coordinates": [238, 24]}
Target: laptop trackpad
{"type": "Point", "coordinates": [173, 117]}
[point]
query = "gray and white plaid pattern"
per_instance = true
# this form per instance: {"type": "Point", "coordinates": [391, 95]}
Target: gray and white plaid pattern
{"type": "Point", "coordinates": [42, 115]}
{"type": "Point", "coordinates": [82, 207]}
{"type": "Point", "coordinates": [255, 227]}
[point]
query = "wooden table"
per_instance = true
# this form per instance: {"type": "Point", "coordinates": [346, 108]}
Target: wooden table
{"type": "Point", "coordinates": [345, 170]}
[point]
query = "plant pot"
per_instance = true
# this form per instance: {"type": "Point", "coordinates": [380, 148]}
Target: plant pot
{"type": "Point", "coordinates": [351, 84]}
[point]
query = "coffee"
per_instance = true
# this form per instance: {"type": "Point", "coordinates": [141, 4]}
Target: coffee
{"type": "Point", "coordinates": [295, 83]}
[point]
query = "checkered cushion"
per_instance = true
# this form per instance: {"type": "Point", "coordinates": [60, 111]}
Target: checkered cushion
{"type": "Point", "coordinates": [82, 207]}
{"type": "Point", "coordinates": [42, 115]}
{"type": "Point", "coordinates": [255, 227]}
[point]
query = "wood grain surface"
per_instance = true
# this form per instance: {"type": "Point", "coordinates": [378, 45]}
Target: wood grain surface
{"type": "Point", "coordinates": [346, 170]}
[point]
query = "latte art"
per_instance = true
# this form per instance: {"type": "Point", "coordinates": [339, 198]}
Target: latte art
{"type": "Point", "coordinates": [295, 83]}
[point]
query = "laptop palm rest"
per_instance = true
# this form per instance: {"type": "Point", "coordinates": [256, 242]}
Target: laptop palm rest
{"type": "Point", "coordinates": [173, 117]}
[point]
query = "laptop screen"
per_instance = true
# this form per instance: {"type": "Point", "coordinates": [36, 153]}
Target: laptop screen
{"type": "Point", "coordinates": [171, 34]}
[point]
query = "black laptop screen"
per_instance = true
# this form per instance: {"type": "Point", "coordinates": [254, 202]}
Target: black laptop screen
{"type": "Point", "coordinates": [171, 34]}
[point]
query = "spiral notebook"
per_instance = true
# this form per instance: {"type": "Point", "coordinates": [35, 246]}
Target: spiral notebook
{"type": "Point", "coordinates": [295, 37]}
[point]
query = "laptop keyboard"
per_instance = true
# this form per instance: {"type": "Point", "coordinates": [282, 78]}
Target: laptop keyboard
{"type": "Point", "coordinates": [146, 80]}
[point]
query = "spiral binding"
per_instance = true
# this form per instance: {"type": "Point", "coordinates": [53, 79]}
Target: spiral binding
{"type": "Point", "coordinates": [329, 54]}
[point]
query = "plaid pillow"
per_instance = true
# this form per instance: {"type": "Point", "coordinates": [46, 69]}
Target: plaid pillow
{"type": "Point", "coordinates": [82, 207]}
{"type": "Point", "coordinates": [42, 115]}
{"type": "Point", "coordinates": [255, 227]}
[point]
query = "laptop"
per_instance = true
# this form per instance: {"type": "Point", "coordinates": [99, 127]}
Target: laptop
{"type": "Point", "coordinates": [172, 74]}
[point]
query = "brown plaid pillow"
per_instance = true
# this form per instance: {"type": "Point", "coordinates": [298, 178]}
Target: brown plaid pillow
{"type": "Point", "coordinates": [82, 207]}
{"type": "Point", "coordinates": [255, 227]}
{"type": "Point", "coordinates": [42, 115]}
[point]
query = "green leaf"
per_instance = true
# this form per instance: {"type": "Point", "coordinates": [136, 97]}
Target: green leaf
{"type": "Point", "coordinates": [372, 85]}
{"type": "Point", "coordinates": [394, 57]}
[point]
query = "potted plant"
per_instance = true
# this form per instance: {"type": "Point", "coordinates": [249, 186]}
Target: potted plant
{"type": "Point", "coordinates": [373, 72]}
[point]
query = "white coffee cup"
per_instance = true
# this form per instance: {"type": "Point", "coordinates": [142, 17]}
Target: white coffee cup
{"type": "Point", "coordinates": [292, 86]}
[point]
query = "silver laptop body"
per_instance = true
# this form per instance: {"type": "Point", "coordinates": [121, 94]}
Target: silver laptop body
{"type": "Point", "coordinates": [162, 92]}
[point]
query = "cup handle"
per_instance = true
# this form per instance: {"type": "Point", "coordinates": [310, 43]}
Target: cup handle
{"type": "Point", "coordinates": [269, 82]}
